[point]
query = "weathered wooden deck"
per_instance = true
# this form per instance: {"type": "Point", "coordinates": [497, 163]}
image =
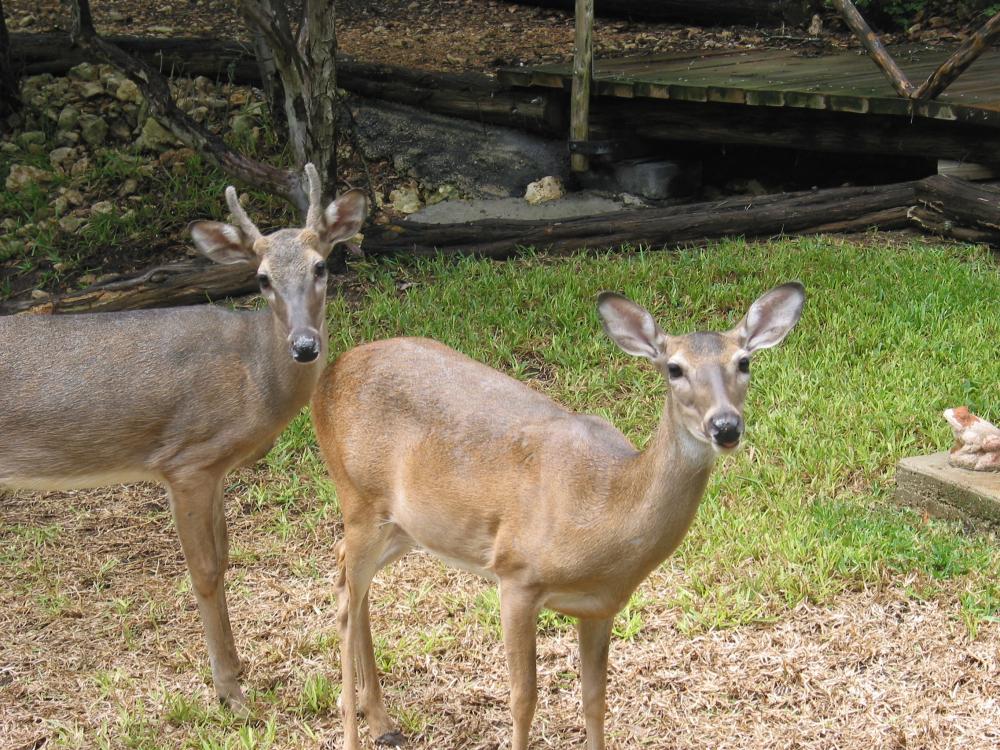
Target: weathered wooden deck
{"type": "Point", "coordinates": [843, 82]}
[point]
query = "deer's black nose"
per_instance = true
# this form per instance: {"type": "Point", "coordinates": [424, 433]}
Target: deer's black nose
{"type": "Point", "coordinates": [726, 429]}
{"type": "Point", "coordinates": [305, 349]}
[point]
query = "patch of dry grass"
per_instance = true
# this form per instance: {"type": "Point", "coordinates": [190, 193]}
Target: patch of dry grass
{"type": "Point", "coordinates": [121, 663]}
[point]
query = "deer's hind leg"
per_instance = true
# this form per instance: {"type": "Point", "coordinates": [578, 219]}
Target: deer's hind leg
{"type": "Point", "coordinates": [364, 550]}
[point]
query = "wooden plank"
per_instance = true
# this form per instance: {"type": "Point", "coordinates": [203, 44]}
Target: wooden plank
{"type": "Point", "coordinates": [846, 82]}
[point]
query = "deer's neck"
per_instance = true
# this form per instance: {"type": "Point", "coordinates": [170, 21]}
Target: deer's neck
{"type": "Point", "coordinates": [289, 383]}
{"type": "Point", "coordinates": [664, 485]}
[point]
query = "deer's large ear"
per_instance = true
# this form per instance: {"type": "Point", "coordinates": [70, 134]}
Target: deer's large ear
{"type": "Point", "coordinates": [343, 218]}
{"type": "Point", "coordinates": [771, 317]}
{"type": "Point", "coordinates": [223, 243]}
{"type": "Point", "coordinates": [630, 326]}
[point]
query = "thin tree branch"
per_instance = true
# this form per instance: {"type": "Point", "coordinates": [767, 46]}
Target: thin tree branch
{"type": "Point", "coordinates": [156, 90]}
{"type": "Point", "coordinates": [870, 41]}
{"type": "Point", "coordinates": [964, 56]}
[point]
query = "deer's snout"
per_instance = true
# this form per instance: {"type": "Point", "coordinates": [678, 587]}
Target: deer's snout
{"type": "Point", "coordinates": [305, 348]}
{"type": "Point", "coordinates": [726, 429]}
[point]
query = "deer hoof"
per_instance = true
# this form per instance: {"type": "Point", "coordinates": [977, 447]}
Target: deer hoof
{"type": "Point", "coordinates": [392, 739]}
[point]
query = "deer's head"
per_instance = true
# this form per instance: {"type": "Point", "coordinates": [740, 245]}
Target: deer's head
{"type": "Point", "coordinates": [290, 263]}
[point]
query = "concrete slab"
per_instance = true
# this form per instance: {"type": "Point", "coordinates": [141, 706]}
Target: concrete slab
{"type": "Point", "coordinates": [929, 483]}
{"type": "Point", "coordinates": [570, 206]}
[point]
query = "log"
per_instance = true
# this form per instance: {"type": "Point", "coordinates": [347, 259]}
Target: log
{"type": "Point", "coordinates": [939, 204]}
{"type": "Point", "coordinates": [182, 283]}
{"type": "Point", "coordinates": [820, 211]}
{"type": "Point", "coordinates": [469, 96]}
{"type": "Point", "coordinates": [959, 209]}
{"type": "Point", "coordinates": [710, 12]}
{"type": "Point", "coordinates": [10, 90]}
{"type": "Point", "coordinates": [216, 58]}
{"type": "Point", "coordinates": [837, 209]}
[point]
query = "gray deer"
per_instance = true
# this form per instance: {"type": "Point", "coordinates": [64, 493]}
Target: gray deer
{"type": "Point", "coordinates": [177, 396]}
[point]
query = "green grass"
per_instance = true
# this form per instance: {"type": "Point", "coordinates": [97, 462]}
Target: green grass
{"type": "Point", "coordinates": [890, 337]}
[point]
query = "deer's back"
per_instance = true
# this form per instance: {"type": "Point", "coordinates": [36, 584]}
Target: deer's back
{"type": "Point", "coordinates": [426, 436]}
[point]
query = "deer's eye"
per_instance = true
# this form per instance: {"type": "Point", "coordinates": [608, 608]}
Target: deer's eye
{"type": "Point", "coordinates": [744, 364]}
{"type": "Point", "coordinates": [319, 269]}
{"type": "Point", "coordinates": [674, 370]}
{"type": "Point", "coordinates": [264, 281]}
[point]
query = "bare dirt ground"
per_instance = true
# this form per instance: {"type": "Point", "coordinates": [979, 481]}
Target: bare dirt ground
{"type": "Point", "coordinates": [98, 622]}
{"type": "Point", "coordinates": [452, 35]}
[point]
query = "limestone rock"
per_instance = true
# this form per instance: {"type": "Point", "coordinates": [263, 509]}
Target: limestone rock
{"type": "Point", "coordinates": [406, 199]}
{"type": "Point", "coordinates": [543, 190]}
{"type": "Point", "coordinates": [977, 442]}
{"type": "Point", "coordinates": [127, 91]}
{"type": "Point", "coordinates": [31, 136]}
{"type": "Point", "coordinates": [67, 137]}
{"type": "Point", "coordinates": [84, 72]}
{"type": "Point", "coordinates": [154, 136]}
{"type": "Point", "coordinates": [23, 175]}
{"type": "Point", "coordinates": [71, 223]}
{"type": "Point", "coordinates": [94, 129]}
{"type": "Point", "coordinates": [91, 90]}
{"type": "Point", "coordinates": [69, 116]}
{"type": "Point", "coordinates": [59, 156]}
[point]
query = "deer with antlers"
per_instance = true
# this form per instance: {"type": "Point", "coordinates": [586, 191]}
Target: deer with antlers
{"type": "Point", "coordinates": [177, 396]}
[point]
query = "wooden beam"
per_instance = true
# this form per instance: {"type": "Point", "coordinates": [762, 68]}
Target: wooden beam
{"type": "Point", "coordinates": [803, 129]}
{"type": "Point", "coordinates": [583, 69]}
{"type": "Point", "coordinates": [870, 41]}
{"type": "Point", "coordinates": [976, 43]}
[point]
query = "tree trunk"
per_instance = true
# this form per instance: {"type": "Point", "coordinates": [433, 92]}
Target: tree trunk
{"type": "Point", "coordinates": [270, 82]}
{"type": "Point", "coordinates": [305, 60]}
{"type": "Point", "coordinates": [10, 90]}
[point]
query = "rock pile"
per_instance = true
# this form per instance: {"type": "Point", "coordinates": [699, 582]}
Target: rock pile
{"type": "Point", "coordinates": [70, 123]}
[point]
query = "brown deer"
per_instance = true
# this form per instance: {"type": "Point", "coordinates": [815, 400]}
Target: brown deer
{"type": "Point", "coordinates": [177, 396]}
{"type": "Point", "coordinates": [431, 449]}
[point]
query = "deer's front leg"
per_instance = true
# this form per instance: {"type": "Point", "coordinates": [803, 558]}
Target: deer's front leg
{"type": "Point", "coordinates": [595, 638]}
{"type": "Point", "coordinates": [200, 520]}
{"type": "Point", "coordinates": [518, 615]}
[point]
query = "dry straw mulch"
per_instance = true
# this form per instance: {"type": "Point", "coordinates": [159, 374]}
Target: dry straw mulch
{"type": "Point", "coordinates": [99, 620]}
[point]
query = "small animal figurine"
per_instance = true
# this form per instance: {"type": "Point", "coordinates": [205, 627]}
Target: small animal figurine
{"type": "Point", "coordinates": [977, 442]}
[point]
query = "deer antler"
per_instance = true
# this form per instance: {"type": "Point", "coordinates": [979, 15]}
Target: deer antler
{"type": "Point", "coordinates": [240, 216]}
{"type": "Point", "coordinates": [315, 197]}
